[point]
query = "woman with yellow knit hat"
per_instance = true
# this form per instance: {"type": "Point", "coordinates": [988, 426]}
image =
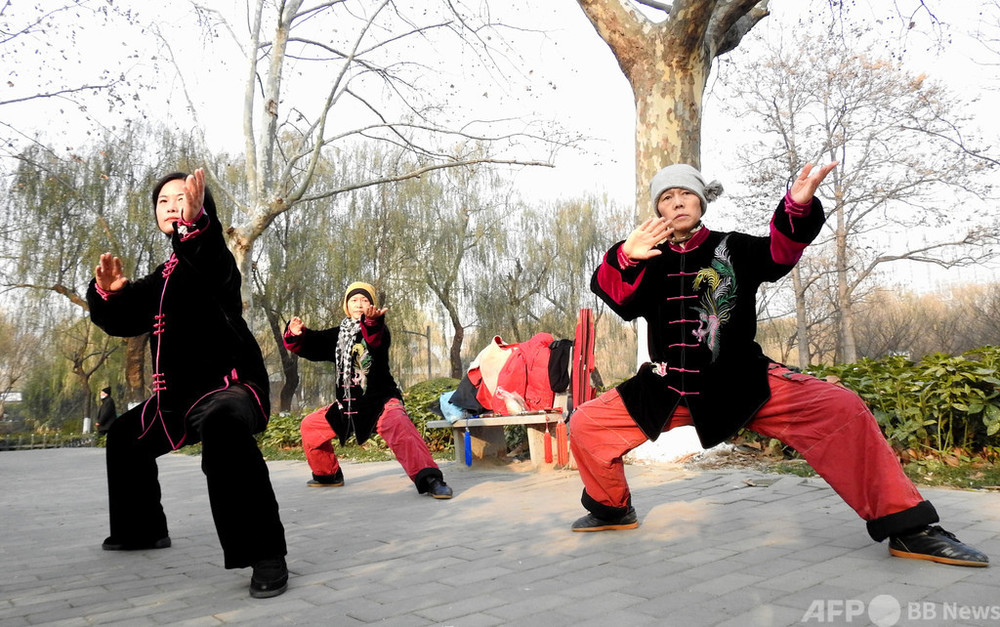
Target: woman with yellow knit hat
{"type": "Point", "coordinates": [367, 395]}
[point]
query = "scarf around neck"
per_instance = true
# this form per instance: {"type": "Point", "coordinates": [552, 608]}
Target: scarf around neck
{"type": "Point", "coordinates": [349, 328]}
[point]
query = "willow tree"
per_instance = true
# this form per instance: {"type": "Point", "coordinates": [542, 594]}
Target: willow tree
{"type": "Point", "coordinates": [667, 63]}
{"type": "Point", "coordinates": [95, 201]}
{"type": "Point", "coordinates": [307, 257]}
{"type": "Point", "coordinates": [455, 219]}
{"type": "Point", "coordinates": [17, 352]}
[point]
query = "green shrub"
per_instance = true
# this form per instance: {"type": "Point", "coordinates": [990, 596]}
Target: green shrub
{"type": "Point", "coordinates": [419, 398]}
{"type": "Point", "coordinates": [941, 404]}
{"type": "Point", "coordinates": [282, 431]}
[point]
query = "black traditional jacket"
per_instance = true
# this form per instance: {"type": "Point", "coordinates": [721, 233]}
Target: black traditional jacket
{"type": "Point", "coordinates": [700, 305]}
{"type": "Point", "coordinates": [191, 306]}
{"type": "Point", "coordinates": [370, 384]}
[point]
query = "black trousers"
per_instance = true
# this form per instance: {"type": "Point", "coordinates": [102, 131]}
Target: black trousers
{"type": "Point", "coordinates": [239, 487]}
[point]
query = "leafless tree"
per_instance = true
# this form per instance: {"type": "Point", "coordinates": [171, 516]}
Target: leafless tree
{"type": "Point", "coordinates": [905, 161]}
{"type": "Point", "coordinates": [321, 78]}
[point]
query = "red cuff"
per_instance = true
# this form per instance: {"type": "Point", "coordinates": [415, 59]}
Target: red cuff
{"type": "Point", "coordinates": [610, 280]}
{"type": "Point", "coordinates": [291, 341]}
{"type": "Point", "coordinates": [784, 250]}
{"type": "Point", "coordinates": [796, 209]}
{"type": "Point", "coordinates": [104, 294]}
{"type": "Point", "coordinates": [372, 336]}
{"type": "Point", "coordinates": [624, 261]}
{"type": "Point", "coordinates": [190, 230]}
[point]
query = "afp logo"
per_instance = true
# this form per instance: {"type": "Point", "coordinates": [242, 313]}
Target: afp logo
{"type": "Point", "coordinates": [883, 611]}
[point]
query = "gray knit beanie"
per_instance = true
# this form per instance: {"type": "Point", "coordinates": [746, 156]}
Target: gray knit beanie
{"type": "Point", "coordinates": [686, 177]}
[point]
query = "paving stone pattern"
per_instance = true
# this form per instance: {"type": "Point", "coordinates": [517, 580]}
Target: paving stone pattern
{"type": "Point", "coordinates": [728, 547]}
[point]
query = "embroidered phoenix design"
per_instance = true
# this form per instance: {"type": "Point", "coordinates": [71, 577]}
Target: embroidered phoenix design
{"type": "Point", "coordinates": [717, 299]}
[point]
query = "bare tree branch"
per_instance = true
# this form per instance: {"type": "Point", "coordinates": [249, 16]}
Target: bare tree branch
{"type": "Point", "coordinates": [58, 93]}
{"type": "Point", "coordinates": [955, 141]}
{"type": "Point", "coordinates": [58, 288]}
{"type": "Point", "coordinates": [418, 173]}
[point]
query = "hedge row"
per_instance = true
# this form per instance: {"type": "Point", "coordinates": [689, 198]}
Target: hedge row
{"type": "Point", "coordinates": [939, 404]}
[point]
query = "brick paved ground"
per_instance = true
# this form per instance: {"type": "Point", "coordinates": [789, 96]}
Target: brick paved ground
{"type": "Point", "coordinates": [711, 549]}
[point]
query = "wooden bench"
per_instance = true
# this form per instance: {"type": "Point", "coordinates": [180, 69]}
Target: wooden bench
{"type": "Point", "coordinates": [488, 440]}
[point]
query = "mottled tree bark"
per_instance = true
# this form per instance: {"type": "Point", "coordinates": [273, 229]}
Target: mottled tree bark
{"type": "Point", "coordinates": [667, 64]}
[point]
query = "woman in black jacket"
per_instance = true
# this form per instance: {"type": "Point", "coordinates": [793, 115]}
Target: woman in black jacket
{"type": "Point", "coordinates": [367, 397]}
{"type": "Point", "coordinates": [697, 290]}
{"type": "Point", "coordinates": [209, 386]}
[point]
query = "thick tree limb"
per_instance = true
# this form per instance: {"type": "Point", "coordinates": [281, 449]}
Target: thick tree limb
{"type": "Point", "coordinates": [58, 288]}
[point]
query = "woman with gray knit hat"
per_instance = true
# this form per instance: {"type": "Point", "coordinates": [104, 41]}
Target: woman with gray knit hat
{"type": "Point", "coordinates": [697, 288]}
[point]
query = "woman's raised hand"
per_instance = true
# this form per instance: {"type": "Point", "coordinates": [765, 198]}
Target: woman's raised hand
{"type": "Point", "coordinates": [108, 273]}
{"type": "Point", "coordinates": [194, 193]}
{"type": "Point", "coordinates": [372, 312]}
{"type": "Point", "coordinates": [804, 187]}
{"type": "Point", "coordinates": [641, 242]}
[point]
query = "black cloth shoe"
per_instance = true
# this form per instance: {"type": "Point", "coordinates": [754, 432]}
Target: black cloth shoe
{"type": "Point", "coordinates": [269, 579]}
{"type": "Point", "coordinates": [438, 488]}
{"type": "Point", "coordinates": [327, 481]}
{"type": "Point", "coordinates": [593, 523]}
{"type": "Point", "coordinates": [110, 544]}
{"type": "Point", "coordinates": [937, 545]}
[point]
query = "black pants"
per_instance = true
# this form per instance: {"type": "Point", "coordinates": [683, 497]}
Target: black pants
{"type": "Point", "coordinates": [239, 487]}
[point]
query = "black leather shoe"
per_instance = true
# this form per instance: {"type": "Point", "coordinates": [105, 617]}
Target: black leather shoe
{"type": "Point", "coordinates": [269, 579]}
{"type": "Point", "coordinates": [110, 544]}
{"type": "Point", "coordinates": [593, 523]}
{"type": "Point", "coordinates": [438, 488]}
{"type": "Point", "coordinates": [327, 481]}
{"type": "Point", "coordinates": [937, 545]}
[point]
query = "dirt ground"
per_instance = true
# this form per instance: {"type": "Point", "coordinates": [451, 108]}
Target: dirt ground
{"type": "Point", "coordinates": [739, 456]}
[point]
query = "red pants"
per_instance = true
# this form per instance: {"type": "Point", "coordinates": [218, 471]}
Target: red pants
{"type": "Point", "coordinates": [395, 427]}
{"type": "Point", "coordinates": [830, 426]}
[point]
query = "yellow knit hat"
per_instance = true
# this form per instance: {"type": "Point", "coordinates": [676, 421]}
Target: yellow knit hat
{"type": "Point", "coordinates": [359, 287]}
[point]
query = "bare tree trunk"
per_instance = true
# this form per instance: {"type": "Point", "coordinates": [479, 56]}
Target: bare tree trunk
{"type": "Point", "coordinates": [668, 117]}
{"type": "Point", "coordinates": [847, 351]}
{"type": "Point", "coordinates": [242, 246]}
{"type": "Point", "coordinates": [668, 72]}
{"type": "Point", "coordinates": [88, 404]}
{"type": "Point", "coordinates": [667, 64]}
{"type": "Point", "coordinates": [289, 363]}
{"type": "Point", "coordinates": [801, 320]}
{"type": "Point", "coordinates": [455, 355]}
{"type": "Point", "coordinates": [135, 367]}
{"type": "Point", "coordinates": [83, 374]}
{"type": "Point", "coordinates": [290, 370]}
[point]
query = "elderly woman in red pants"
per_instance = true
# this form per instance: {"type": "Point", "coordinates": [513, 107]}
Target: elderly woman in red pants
{"type": "Point", "coordinates": [697, 290]}
{"type": "Point", "coordinates": [367, 396]}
